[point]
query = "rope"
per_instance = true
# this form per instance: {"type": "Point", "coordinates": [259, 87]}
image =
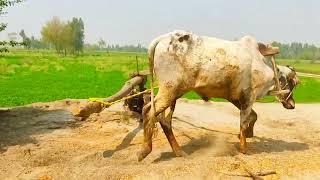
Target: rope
{"type": "Point", "coordinates": [108, 104]}
{"type": "Point", "coordinates": [277, 87]}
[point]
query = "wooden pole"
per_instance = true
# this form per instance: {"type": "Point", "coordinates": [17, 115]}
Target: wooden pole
{"type": "Point", "coordinates": [275, 71]}
{"type": "Point", "coordinates": [96, 107]}
{"type": "Point", "coordinates": [137, 62]}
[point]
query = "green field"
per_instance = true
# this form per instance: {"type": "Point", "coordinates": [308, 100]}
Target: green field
{"type": "Point", "coordinates": [41, 76]}
{"type": "Point", "coordinates": [305, 66]}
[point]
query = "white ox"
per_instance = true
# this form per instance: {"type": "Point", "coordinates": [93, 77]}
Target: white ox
{"type": "Point", "coordinates": [234, 70]}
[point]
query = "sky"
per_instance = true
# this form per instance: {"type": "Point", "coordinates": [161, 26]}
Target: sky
{"type": "Point", "coordinates": [139, 21]}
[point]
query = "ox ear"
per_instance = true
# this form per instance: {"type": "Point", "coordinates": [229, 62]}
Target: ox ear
{"type": "Point", "coordinates": [293, 78]}
{"type": "Point", "coordinates": [267, 50]}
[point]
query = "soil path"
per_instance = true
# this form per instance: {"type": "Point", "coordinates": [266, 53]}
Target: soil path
{"type": "Point", "coordinates": [308, 75]}
{"type": "Point", "coordinates": [43, 141]}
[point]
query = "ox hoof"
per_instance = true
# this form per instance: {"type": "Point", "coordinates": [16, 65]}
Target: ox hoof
{"type": "Point", "coordinates": [243, 142]}
{"type": "Point", "coordinates": [248, 132]}
{"type": "Point", "coordinates": [143, 153]}
{"type": "Point", "coordinates": [243, 147]}
{"type": "Point", "coordinates": [181, 154]}
{"type": "Point", "coordinates": [243, 150]}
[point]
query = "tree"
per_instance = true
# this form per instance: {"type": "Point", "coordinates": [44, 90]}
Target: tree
{"type": "Point", "coordinates": [296, 50]}
{"type": "Point", "coordinates": [26, 40]}
{"type": "Point", "coordinates": [101, 43]}
{"type": "Point", "coordinates": [52, 33]}
{"type": "Point", "coordinates": [3, 5]}
{"type": "Point", "coordinates": [67, 39]}
{"type": "Point", "coordinates": [77, 27]}
{"type": "Point", "coordinates": [64, 37]}
{"type": "Point", "coordinates": [38, 44]}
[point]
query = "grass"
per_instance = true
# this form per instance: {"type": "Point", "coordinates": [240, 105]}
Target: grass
{"type": "Point", "coordinates": [41, 76]}
{"type": "Point", "coordinates": [32, 77]}
{"type": "Point", "coordinates": [305, 66]}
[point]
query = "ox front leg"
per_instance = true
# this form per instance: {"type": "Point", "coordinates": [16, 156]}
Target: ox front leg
{"type": "Point", "coordinates": [162, 102]}
{"type": "Point", "coordinates": [252, 119]}
{"type": "Point", "coordinates": [244, 125]}
{"type": "Point", "coordinates": [166, 125]}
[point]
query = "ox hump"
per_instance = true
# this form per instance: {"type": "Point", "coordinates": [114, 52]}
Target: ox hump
{"type": "Point", "coordinates": [249, 41]}
{"type": "Point", "coordinates": [181, 42]}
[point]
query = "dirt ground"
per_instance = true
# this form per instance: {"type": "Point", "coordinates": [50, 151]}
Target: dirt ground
{"type": "Point", "coordinates": [44, 141]}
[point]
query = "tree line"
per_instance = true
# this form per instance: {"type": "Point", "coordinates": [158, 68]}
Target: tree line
{"type": "Point", "coordinates": [298, 50]}
{"type": "Point", "coordinates": [101, 45]}
{"type": "Point", "coordinates": [68, 37]}
{"type": "Point", "coordinates": [32, 42]}
{"type": "Point", "coordinates": [64, 37]}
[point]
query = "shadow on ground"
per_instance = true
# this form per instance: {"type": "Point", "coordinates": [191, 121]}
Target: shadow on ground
{"type": "Point", "coordinates": [268, 145]}
{"type": "Point", "coordinates": [260, 144]}
{"type": "Point", "coordinates": [195, 144]}
{"type": "Point", "coordinates": [19, 125]}
{"type": "Point", "coordinates": [125, 142]}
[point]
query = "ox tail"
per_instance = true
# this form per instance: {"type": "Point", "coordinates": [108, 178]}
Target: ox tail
{"type": "Point", "coordinates": [151, 52]}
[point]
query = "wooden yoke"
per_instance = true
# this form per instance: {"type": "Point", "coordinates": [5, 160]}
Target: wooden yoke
{"type": "Point", "coordinates": [275, 71]}
{"type": "Point", "coordinates": [269, 50]}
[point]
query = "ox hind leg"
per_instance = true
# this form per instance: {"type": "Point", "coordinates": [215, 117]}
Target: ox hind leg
{"type": "Point", "coordinates": [252, 119]}
{"type": "Point", "coordinates": [162, 101]}
{"type": "Point", "coordinates": [166, 124]}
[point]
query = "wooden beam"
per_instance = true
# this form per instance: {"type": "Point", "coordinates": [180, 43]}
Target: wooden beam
{"type": "Point", "coordinates": [96, 107]}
